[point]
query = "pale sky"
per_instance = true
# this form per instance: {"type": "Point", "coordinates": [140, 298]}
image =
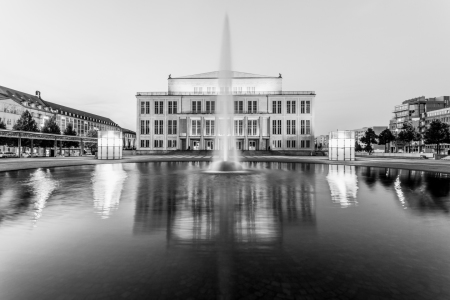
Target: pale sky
{"type": "Point", "coordinates": [361, 57]}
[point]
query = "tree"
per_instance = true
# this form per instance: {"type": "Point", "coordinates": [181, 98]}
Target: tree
{"type": "Point", "coordinates": [26, 123]}
{"type": "Point", "coordinates": [437, 133]}
{"type": "Point", "coordinates": [408, 134]}
{"type": "Point", "coordinates": [50, 126]}
{"type": "Point", "coordinates": [358, 147]}
{"type": "Point", "coordinates": [70, 131]}
{"type": "Point", "coordinates": [368, 139]}
{"type": "Point", "coordinates": [385, 137]}
{"type": "Point", "coordinates": [93, 146]}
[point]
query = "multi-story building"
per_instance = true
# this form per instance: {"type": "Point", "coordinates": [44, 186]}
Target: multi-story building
{"type": "Point", "coordinates": [13, 103]}
{"type": "Point", "coordinates": [359, 133]}
{"type": "Point", "coordinates": [415, 111]}
{"type": "Point", "coordinates": [322, 142]}
{"type": "Point", "coordinates": [444, 116]}
{"type": "Point", "coordinates": [265, 117]}
{"type": "Point", "coordinates": [129, 139]}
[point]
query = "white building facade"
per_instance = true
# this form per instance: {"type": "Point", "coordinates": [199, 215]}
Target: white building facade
{"type": "Point", "coordinates": [265, 117]}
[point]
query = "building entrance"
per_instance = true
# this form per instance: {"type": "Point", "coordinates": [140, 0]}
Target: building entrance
{"type": "Point", "coordinates": [251, 145]}
{"type": "Point", "coordinates": [195, 145]}
{"type": "Point", "coordinates": [239, 145]}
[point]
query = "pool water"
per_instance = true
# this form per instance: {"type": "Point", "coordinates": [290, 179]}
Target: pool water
{"type": "Point", "coordinates": [170, 231]}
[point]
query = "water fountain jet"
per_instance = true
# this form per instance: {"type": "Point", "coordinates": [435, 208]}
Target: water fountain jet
{"type": "Point", "coordinates": [228, 157]}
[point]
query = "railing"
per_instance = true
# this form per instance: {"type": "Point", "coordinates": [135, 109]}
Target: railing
{"type": "Point", "coordinates": [219, 93]}
{"type": "Point", "coordinates": [214, 112]}
{"type": "Point", "coordinates": [44, 136]}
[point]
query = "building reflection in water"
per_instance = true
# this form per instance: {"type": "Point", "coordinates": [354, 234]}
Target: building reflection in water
{"type": "Point", "coordinates": [42, 186]}
{"type": "Point", "coordinates": [343, 184]}
{"type": "Point", "coordinates": [107, 183]}
{"type": "Point", "coordinates": [418, 190]}
{"type": "Point", "coordinates": [198, 208]}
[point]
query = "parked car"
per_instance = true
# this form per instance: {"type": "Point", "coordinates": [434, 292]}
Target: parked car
{"type": "Point", "coordinates": [7, 154]}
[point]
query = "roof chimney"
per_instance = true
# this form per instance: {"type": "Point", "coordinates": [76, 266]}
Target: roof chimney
{"type": "Point", "coordinates": [38, 94]}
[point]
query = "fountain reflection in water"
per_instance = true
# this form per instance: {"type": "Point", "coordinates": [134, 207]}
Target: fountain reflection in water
{"type": "Point", "coordinates": [227, 160]}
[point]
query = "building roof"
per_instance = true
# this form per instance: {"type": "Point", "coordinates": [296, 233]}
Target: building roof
{"type": "Point", "coordinates": [215, 74]}
{"type": "Point", "coordinates": [19, 97]}
{"type": "Point", "coordinates": [124, 130]}
{"type": "Point", "coordinates": [74, 112]}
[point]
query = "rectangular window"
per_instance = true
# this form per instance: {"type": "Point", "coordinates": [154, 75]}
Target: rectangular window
{"type": "Point", "coordinates": [171, 144]}
{"type": "Point", "coordinates": [172, 107]}
{"type": "Point", "coordinates": [237, 90]}
{"type": "Point", "coordinates": [196, 106]}
{"type": "Point", "coordinates": [158, 143]}
{"type": "Point", "coordinates": [159, 126]}
{"type": "Point", "coordinates": [210, 107]}
{"type": "Point", "coordinates": [302, 144]}
{"type": "Point", "coordinates": [147, 107]}
{"type": "Point", "coordinates": [142, 143]}
{"type": "Point", "coordinates": [288, 107]}
{"type": "Point", "coordinates": [308, 127]}
{"type": "Point", "coordinates": [142, 127]}
{"type": "Point", "coordinates": [142, 107]}
{"type": "Point", "coordinates": [308, 143]}
{"type": "Point", "coordinates": [308, 107]}
{"type": "Point", "coordinates": [276, 127]}
{"type": "Point", "coordinates": [196, 127]}
{"type": "Point", "coordinates": [252, 127]}
{"type": "Point", "coordinates": [238, 107]}
{"type": "Point", "coordinates": [290, 144]}
{"type": "Point", "coordinates": [290, 127]}
{"type": "Point", "coordinates": [147, 126]}
{"type": "Point", "coordinates": [252, 107]}
{"type": "Point", "coordinates": [279, 107]}
{"type": "Point", "coordinates": [250, 90]}
{"type": "Point", "coordinates": [171, 127]}
{"type": "Point", "coordinates": [159, 107]}
{"type": "Point", "coordinates": [238, 127]}
{"type": "Point", "coordinates": [302, 127]}
{"type": "Point", "coordinates": [209, 127]}
{"type": "Point", "coordinates": [302, 107]}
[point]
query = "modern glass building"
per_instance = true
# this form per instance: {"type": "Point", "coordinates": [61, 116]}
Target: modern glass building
{"type": "Point", "coordinates": [265, 116]}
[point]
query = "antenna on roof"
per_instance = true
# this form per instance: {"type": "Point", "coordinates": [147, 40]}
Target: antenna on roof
{"type": "Point", "coordinates": [38, 94]}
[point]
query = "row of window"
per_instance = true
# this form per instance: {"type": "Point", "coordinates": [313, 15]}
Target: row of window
{"type": "Point", "coordinates": [210, 107]}
{"type": "Point", "coordinates": [224, 90]}
{"type": "Point", "coordinates": [291, 144]}
{"type": "Point", "coordinates": [209, 129]}
{"type": "Point", "coordinates": [158, 143]}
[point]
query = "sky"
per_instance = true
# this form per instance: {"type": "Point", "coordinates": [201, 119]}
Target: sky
{"type": "Point", "coordinates": [360, 57]}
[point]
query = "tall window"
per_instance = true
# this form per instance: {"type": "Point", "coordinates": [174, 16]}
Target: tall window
{"type": "Point", "coordinates": [252, 106]}
{"type": "Point", "coordinates": [290, 143]}
{"type": "Point", "coordinates": [252, 127]}
{"type": "Point", "coordinates": [171, 144]}
{"type": "Point", "coordinates": [238, 125]}
{"type": "Point", "coordinates": [172, 127]}
{"type": "Point", "coordinates": [173, 107]}
{"type": "Point", "coordinates": [308, 127]}
{"type": "Point", "coordinates": [159, 107]}
{"type": "Point", "coordinates": [305, 107]}
{"type": "Point", "coordinates": [196, 106]}
{"type": "Point", "coordinates": [210, 106]}
{"type": "Point", "coordinates": [209, 127]}
{"type": "Point", "coordinates": [158, 143]}
{"type": "Point", "coordinates": [290, 107]}
{"type": "Point", "coordinates": [142, 126]}
{"type": "Point", "coordinates": [196, 127]}
{"type": "Point", "coordinates": [159, 126]}
{"type": "Point", "coordinates": [276, 126]}
{"type": "Point", "coordinates": [147, 126]}
{"type": "Point", "coordinates": [276, 143]}
{"type": "Point", "coordinates": [290, 127]}
{"type": "Point", "coordinates": [276, 107]}
{"type": "Point", "coordinates": [302, 127]}
{"type": "Point", "coordinates": [198, 90]}
{"type": "Point", "coordinates": [142, 108]}
{"type": "Point", "coordinates": [238, 107]}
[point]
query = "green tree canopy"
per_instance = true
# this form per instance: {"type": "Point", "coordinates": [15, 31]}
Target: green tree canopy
{"type": "Point", "coordinates": [70, 131]}
{"type": "Point", "coordinates": [369, 138]}
{"type": "Point", "coordinates": [385, 137]}
{"type": "Point", "coordinates": [27, 123]}
{"type": "Point", "coordinates": [437, 133]}
{"type": "Point", "coordinates": [2, 125]}
{"type": "Point", "coordinates": [408, 134]}
{"type": "Point", "coordinates": [50, 126]}
{"type": "Point", "coordinates": [358, 147]}
{"type": "Point", "coordinates": [11, 142]}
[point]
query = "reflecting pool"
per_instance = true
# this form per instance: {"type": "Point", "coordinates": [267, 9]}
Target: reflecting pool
{"type": "Point", "coordinates": [170, 231]}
